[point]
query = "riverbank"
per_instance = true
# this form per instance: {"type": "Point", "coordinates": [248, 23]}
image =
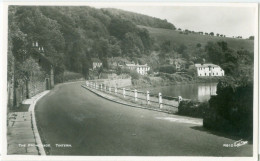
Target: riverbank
{"type": "Point", "coordinates": [164, 79]}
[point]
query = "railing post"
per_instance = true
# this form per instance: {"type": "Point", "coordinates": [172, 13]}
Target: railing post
{"type": "Point", "coordinates": [115, 90]}
{"type": "Point", "coordinates": [86, 83]}
{"type": "Point", "coordinates": [179, 99]}
{"type": "Point", "coordinates": [101, 86]}
{"type": "Point", "coordinates": [160, 100]}
{"type": "Point", "coordinates": [148, 97]}
{"type": "Point", "coordinates": [105, 89]}
{"type": "Point", "coordinates": [135, 92]}
{"type": "Point", "coordinates": [109, 89]}
{"type": "Point", "coordinates": [124, 92]}
{"type": "Point", "coordinates": [97, 86]}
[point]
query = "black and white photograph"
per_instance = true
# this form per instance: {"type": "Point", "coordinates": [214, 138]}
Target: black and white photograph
{"type": "Point", "coordinates": [131, 80]}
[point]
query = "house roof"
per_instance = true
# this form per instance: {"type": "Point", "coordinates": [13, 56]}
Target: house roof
{"type": "Point", "coordinates": [206, 65]}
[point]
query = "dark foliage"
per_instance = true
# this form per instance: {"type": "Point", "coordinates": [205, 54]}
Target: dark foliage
{"type": "Point", "coordinates": [139, 19]}
{"type": "Point", "coordinates": [167, 69]}
{"type": "Point", "coordinates": [235, 63]}
{"type": "Point", "coordinates": [192, 108]}
{"type": "Point", "coordinates": [232, 109]}
{"type": "Point", "coordinates": [72, 35]}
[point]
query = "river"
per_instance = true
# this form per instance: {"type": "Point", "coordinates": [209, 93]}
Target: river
{"type": "Point", "coordinates": [198, 91]}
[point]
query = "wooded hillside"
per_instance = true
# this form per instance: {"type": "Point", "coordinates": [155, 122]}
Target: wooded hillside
{"type": "Point", "coordinates": [71, 36]}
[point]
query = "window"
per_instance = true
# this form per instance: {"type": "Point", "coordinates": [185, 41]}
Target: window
{"type": "Point", "coordinates": [205, 73]}
{"type": "Point", "coordinates": [212, 73]}
{"type": "Point", "coordinates": [217, 73]}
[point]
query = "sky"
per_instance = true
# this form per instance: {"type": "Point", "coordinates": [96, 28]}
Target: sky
{"type": "Point", "coordinates": [227, 20]}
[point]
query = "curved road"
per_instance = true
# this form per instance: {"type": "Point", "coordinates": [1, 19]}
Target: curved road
{"type": "Point", "coordinates": [91, 125]}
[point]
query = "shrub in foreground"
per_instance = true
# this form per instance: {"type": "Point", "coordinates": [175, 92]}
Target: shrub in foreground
{"type": "Point", "coordinates": [231, 110]}
{"type": "Point", "coordinates": [192, 108]}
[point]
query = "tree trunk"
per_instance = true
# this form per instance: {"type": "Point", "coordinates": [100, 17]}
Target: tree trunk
{"type": "Point", "coordinates": [27, 89]}
{"type": "Point", "coordinates": [14, 86]}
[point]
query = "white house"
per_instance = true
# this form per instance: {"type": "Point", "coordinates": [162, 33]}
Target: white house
{"type": "Point", "coordinates": [141, 69]}
{"type": "Point", "coordinates": [96, 63]}
{"type": "Point", "coordinates": [209, 70]}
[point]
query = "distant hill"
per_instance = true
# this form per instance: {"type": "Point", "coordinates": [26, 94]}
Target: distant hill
{"type": "Point", "coordinates": [191, 40]}
{"type": "Point", "coordinates": [139, 19]}
{"type": "Point", "coordinates": [72, 35]}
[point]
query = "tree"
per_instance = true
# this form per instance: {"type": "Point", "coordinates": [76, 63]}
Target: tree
{"type": "Point", "coordinates": [245, 57]}
{"type": "Point", "coordinates": [198, 45]}
{"type": "Point", "coordinates": [146, 40]}
{"type": "Point", "coordinates": [86, 64]}
{"type": "Point", "coordinates": [167, 69]}
{"type": "Point", "coordinates": [119, 27]}
{"type": "Point", "coordinates": [211, 33]}
{"type": "Point", "coordinates": [214, 52]}
{"type": "Point", "coordinates": [132, 45]}
{"type": "Point", "coordinates": [166, 46]}
{"type": "Point", "coordinates": [181, 48]}
{"type": "Point", "coordinates": [251, 38]}
{"type": "Point", "coordinates": [104, 63]}
{"type": "Point", "coordinates": [223, 45]}
{"type": "Point", "coordinates": [231, 56]}
{"type": "Point", "coordinates": [192, 71]}
{"type": "Point", "coordinates": [186, 55]}
{"type": "Point", "coordinates": [115, 50]}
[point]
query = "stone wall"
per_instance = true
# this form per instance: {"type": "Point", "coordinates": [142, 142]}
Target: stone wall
{"type": "Point", "coordinates": [20, 93]}
{"type": "Point", "coordinates": [36, 87]}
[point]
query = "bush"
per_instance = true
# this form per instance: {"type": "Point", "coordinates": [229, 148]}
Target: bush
{"type": "Point", "coordinates": [167, 69]}
{"type": "Point", "coordinates": [125, 71]}
{"type": "Point", "coordinates": [192, 71]}
{"type": "Point", "coordinates": [232, 109]}
{"type": "Point", "coordinates": [192, 108]}
{"type": "Point", "coordinates": [134, 74]}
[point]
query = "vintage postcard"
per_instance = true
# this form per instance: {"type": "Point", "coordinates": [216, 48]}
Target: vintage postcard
{"type": "Point", "coordinates": [130, 81]}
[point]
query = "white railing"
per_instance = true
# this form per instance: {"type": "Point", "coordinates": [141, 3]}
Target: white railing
{"type": "Point", "coordinates": [138, 96]}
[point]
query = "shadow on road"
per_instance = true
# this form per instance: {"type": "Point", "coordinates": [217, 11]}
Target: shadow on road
{"type": "Point", "coordinates": [232, 136]}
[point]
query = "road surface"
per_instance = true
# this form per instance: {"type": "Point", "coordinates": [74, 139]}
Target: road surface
{"type": "Point", "coordinates": [90, 125]}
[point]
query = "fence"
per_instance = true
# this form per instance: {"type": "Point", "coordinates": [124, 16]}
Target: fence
{"type": "Point", "coordinates": [139, 97]}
